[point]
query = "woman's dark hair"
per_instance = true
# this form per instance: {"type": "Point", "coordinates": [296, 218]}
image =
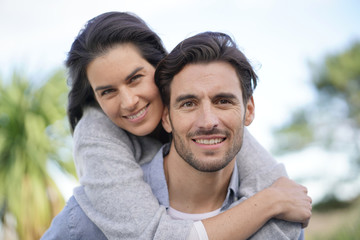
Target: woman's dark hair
{"type": "Point", "coordinates": [204, 48]}
{"type": "Point", "coordinates": [98, 36]}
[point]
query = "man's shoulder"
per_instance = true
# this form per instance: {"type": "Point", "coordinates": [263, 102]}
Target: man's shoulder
{"type": "Point", "coordinates": [72, 223]}
{"type": "Point", "coordinates": [153, 167]}
{"type": "Point", "coordinates": [154, 175]}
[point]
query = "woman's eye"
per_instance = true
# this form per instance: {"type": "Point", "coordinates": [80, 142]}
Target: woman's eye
{"type": "Point", "coordinates": [107, 91]}
{"type": "Point", "coordinates": [134, 78]}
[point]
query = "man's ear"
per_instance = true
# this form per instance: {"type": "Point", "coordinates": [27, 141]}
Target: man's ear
{"type": "Point", "coordinates": [250, 111]}
{"type": "Point", "coordinates": [165, 120]}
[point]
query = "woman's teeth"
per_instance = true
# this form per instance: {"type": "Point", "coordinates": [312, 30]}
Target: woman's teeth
{"type": "Point", "coordinates": [138, 114]}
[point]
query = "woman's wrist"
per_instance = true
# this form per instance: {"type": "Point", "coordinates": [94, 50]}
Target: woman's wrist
{"type": "Point", "coordinates": [269, 201]}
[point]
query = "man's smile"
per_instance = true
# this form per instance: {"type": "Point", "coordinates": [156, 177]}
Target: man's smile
{"type": "Point", "coordinates": [209, 141]}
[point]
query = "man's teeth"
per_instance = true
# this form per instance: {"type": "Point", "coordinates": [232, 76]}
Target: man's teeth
{"type": "Point", "coordinates": [138, 114]}
{"type": "Point", "coordinates": [209, 141]}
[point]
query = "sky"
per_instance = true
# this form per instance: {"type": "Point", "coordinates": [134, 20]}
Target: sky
{"type": "Point", "coordinates": [280, 37]}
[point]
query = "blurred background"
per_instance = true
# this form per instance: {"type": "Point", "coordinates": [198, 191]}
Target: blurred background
{"type": "Point", "coordinates": [307, 56]}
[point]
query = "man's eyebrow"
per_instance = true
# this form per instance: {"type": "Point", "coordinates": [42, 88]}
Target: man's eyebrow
{"type": "Point", "coordinates": [192, 96]}
{"type": "Point", "coordinates": [226, 95]}
{"type": "Point", "coordinates": [184, 97]}
{"type": "Point", "coordinates": [127, 77]}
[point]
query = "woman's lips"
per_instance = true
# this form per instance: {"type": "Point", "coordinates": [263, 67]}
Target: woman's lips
{"type": "Point", "coordinates": [139, 115]}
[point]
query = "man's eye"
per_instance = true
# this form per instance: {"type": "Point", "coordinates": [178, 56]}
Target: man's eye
{"type": "Point", "coordinates": [224, 101]}
{"type": "Point", "coordinates": [187, 104]}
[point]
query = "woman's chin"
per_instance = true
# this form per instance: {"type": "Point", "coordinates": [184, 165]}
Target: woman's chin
{"type": "Point", "coordinates": [141, 131]}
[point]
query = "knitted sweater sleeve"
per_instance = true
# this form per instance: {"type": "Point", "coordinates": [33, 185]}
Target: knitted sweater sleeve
{"type": "Point", "coordinates": [114, 195]}
{"type": "Point", "coordinates": [257, 171]}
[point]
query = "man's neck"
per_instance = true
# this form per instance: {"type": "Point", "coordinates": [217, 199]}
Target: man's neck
{"type": "Point", "coordinates": [192, 191]}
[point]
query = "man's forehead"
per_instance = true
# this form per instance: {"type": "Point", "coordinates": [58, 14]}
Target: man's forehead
{"type": "Point", "coordinates": [210, 77]}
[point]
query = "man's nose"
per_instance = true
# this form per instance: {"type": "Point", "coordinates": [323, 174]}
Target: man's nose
{"type": "Point", "coordinates": [128, 99]}
{"type": "Point", "coordinates": [208, 118]}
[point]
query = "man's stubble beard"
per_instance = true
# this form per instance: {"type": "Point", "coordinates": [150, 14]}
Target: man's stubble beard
{"type": "Point", "coordinates": [203, 165]}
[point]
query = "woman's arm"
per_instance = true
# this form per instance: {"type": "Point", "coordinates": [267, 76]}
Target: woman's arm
{"type": "Point", "coordinates": [284, 199]}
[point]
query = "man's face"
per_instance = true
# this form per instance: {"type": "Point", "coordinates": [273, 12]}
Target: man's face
{"type": "Point", "coordinates": [207, 115]}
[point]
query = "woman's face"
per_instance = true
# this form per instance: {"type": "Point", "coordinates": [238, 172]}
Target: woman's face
{"type": "Point", "coordinates": [123, 84]}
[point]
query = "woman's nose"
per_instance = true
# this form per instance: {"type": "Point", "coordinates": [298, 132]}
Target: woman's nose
{"type": "Point", "coordinates": [128, 100]}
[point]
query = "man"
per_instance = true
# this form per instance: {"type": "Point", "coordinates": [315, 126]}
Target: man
{"type": "Point", "coordinates": [206, 86]}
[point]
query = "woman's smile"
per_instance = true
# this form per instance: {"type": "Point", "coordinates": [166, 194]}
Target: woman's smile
{"type": "Point", "coordinates": [138, 116]}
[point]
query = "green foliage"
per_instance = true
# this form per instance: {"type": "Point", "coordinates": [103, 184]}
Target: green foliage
{"type": "Point", "coordinates": [332, 121]}
{"type": "Point", "coordinates": [340, 78]}
{"type": "Point", "coordinates": [331, 202]}
{"type": "Point", "coordinates": [288, 137]}
{"type": "Point", "coordinates": [32, 129]}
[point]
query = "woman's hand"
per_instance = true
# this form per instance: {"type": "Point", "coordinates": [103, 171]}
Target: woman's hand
{"type": "Point", "coordinates": [292, 202]}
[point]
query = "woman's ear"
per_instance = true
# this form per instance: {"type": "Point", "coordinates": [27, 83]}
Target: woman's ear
{"type": "Point", "coordinates": [250, 111]}
{"type": "Point", "coordinates": [165, 120]}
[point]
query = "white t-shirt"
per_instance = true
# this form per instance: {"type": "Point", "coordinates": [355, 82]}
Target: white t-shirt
{"type": "Point", "coordinates": [199, 227]}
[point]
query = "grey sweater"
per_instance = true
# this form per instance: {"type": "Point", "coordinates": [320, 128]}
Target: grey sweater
{"type": "Point", "coordinates": [116, 198]}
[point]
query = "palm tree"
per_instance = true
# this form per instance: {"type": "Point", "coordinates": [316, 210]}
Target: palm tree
{"type": "Point", "coordinates": [32, 130]}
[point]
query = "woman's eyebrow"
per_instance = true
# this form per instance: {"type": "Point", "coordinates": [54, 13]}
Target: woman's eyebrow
{"type": "Point", "coordinates": [102, 87]}
{"type": "Point", "coordinates": [133, 72]}
{"type": "Point", "coordinates": [127, 77]}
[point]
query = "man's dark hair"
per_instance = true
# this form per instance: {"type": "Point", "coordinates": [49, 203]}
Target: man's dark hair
{"type": "Point", "coordinates": [205, 48]}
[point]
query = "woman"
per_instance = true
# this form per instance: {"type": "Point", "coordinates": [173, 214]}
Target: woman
{"type": "Point", "coordinates": [114, 110]}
